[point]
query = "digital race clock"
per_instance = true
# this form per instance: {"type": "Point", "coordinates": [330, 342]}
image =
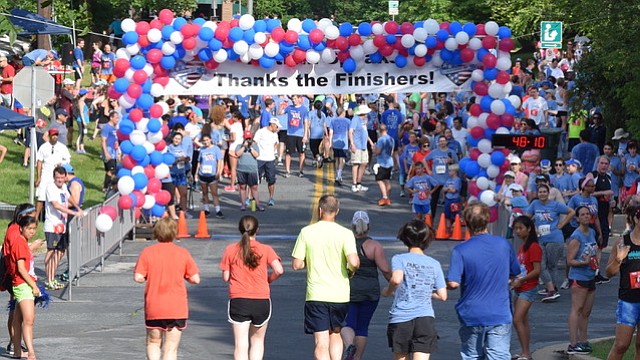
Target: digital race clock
{"type": "Point", "coordinates": [519, 141]}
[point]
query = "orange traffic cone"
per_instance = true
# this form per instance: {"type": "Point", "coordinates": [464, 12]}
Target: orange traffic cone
{"type": "Point", "coordinates": [428, 220]}
{"type": "Point", "coordinates": [203, 231]}
{"type": "Point", "coordinates": [441, 232]}
{"type": "Point", "coordinates": [457, 229]}
{"type": "Point", "coordinates": [183, 231]}
{"type": "Point", "coordinates": [467, 234]}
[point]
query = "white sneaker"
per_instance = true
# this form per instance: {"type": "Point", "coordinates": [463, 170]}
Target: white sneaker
{"type": "Point", "coordinates": [354, 188]}
{"type": "Point", "coordinates": [362, 188]}
{"type": "Point", "coordinates": [565, 284]}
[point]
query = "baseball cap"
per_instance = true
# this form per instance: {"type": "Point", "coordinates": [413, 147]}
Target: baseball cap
{"type": "Point", "coordinates": [276, 122]}
{"type": "Point", "coordinates": [510, 173]}
{"type": "Point", "coordinates": [62, 112]}
{"type": "Point", "coordinates": [53, 132]}
{"type": "Point", "coordinates": [360, 216]}
{"type": "Point", "coordinates": [515, 160]}
{"type": "Point", "coordinates": [574, 162]}
{"type": "Point", "coordinates": [68, 82]}
{"type": "Point", "coordinates": [101, 82]}
{"type": "Point", "coordinates": [54, 53]}
{"type": "Point", "coordinates": [542, 177]}
{"type": "Point", "coordinates": [83, 92]}
{"type": "Point", "coordinates": [516, 187]}
{"type": "Point", "coordinates": [545, 164]}
{"type": "Point", "coordinates": [68, 168]}
{"type": "Point", "coordinates": [363, 110]}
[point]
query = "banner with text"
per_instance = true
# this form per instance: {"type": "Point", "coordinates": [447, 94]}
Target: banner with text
{"type": "Point", "coordinates": [192, 78]}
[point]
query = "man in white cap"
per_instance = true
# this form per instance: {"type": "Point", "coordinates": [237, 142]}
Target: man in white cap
{"type": "Point", "coordinates": [622, 137]}
{"type": "Point", "coordinates": [267, 140]}
{"type": "Point", "coordinates": [358, 140]}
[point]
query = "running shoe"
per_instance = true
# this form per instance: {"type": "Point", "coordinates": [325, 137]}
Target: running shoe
{"type": "Point", "coordinates": [50, 286]}
{"type": "Point", "coordinates": [576, 349]}
{"type": "Point", "coordinates": [585, 345]}
{"type": "Point", "coordinates": [219, 215]}
{"type": "Point", "coordinates": [301, 174]}
{"type": "Point", "coordinates": [550, 296]}
{"type": "Point", "coordinates": [543, 291]}
{"type": "Point", "coordinates": [383, 202]}
{"type": "Point", "coordinates": [260, 208]}
{"type": "Point", "coordinates": [354, 188]}
{"type": "Point", "coordinates": [230, 188]}
{"type": "Point", "coordinates": [287, 174]}
{"type": "Point", "coordinates": [403, 193]}
{"type": "Point", "coordinates": [350, 352]}
{"type": "Point", "coordinates": [565, 284]}
{"type": "Point", "coordinates": [601, 279]}
{"type": "Point", "coordinates": [362, 188]}
{"type": "Point", "coordinates": [280, 163]}
{"type": "Point", "coordinates": [206, 210]}
{"type": "Point", "coordinates": [243, 208]}
{"type": "Point", "coordinates": [271, 202]}
{"type": "Point", "coordinates": [247, 202]}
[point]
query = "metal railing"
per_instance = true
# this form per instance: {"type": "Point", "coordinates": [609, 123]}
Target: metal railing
{"type": "Point", "coordinates": [87, 244]}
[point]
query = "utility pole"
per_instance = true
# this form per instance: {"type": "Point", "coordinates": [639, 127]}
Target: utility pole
{"type": "Point", "coordinates": [44, 41]}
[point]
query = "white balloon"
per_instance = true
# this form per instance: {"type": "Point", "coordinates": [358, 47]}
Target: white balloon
{"type": "Point", "coordinates": [154, 138]}
{"type": "Point", "coordinates": [246, 22]}
{"type": "Point", "coordinates": [220, 56]}
{"type": "Point", "coordinates": [420, 34]}
{"type": "Point", "coordinates": [126, 101]}
{"type": "Point", "coordinates": [313, 57]}
{"type": "Point", "coordinates": [369, 47]}
{"type": "Point", "coordinates": [149, 201]}
{"type": "Point", "coordinates": [162, 171]}
{"type": "Point", "coordinates": [149, 147]}
{"type": "Point", "coordinates": [431, 26]}
{"type": "Point", "coordinates": [482, 120]}
{"type": "Point", "coordinates": [294, 24]}
{"type": "Point", "coordinates": [154, 35]}
{"type": "Point", "coordinates": [128, 25]}
{"type": "Point", "coordinates": [506, 88]}
{"type": "Point", "coordinates": [133, 49]}
{"type": "Point", "coordinates": [482, 182]}
{"type": "Point", "coordinates": [260, 37]}
{"type": "Point", "coordinates": [255, 51]}
{"type": "Point", "coordinates": [436, 60]}
{"type": "Point", "coordinates": [472, 122]}
{"type": "Point", "coordinates": [484, 160]}
{"type": "Point", "coordinates": [168, 48]}
{"type": "Point", "coordinates": [332, 32]}
{"type": "Point", "coordinates": [477, 75]}
{"type": "Point", "coordinates": [137, 137]}
{"type": "Point", "coordinates": [103, 221]}
{"type": "Point", "coordinates": [163, 105]}
{"type": "Point", "coordinates": [487, 197]}
{"type": "Point", "coordinates": [492, 184]}
{"type": "Point", "coordinates": [462, 38]}
{"type": "Point", "coordinates": [497, 107]}
{"type": "Point", "coordinates": [176, 37]}
{"type": "Point", "coordinates": [407, 40]}
{"type": "Point", "coordinates": [377, 29]}
{"type": "Point", "coordinates": [240, 47]}
{"type": "Point", "coordinates": [271, 49]}
{"type": "Point", "coordinates": [451, 44]}
{"type": "Point", "coordinates": [142, 126]}
{"type": "Point", "coordinates": [126, 185]}
{"type": "Point", "coordinates": [137, 170]}
{"type": "Point", "coordinates": [357, 53]}
{"type": "Point", "coordinates": [324, 23]}
{"type": "Point", "coordinates": [210, 24]}
{"type": "Point", "coordinates": [420, 50]}
{"type": "Point", "coordinates": [245, 58]}
{"type": "Point", "coordinates": [515, 100]}
{"type": "Point", "coordinates": [493, 171]}
{"type": "Point", "coordinates": [484, 145]}
{"type": "Point", "coordinates": [503, 64]}
{"type": "Point", "coordinates": [495, 90]}
{"type": "Point", "coordinates": [128, 74]}
{"type": "Point", "coordinates": [148, 69]}
{"type": "Point", "coordinates": [328, 56]}
{"type": "Point", "coordinates": [122, 54]}
{"type": "Point", "coordinates": [501, 130]}
{"type": "Point", "coordinates": [475, 43]}
{"type": "Point", "coordinates": [491, 28]}
{"type": "Point", "coordinates": [156, 90]}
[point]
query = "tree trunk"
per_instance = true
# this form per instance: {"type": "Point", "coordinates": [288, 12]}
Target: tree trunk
{"type": "Point", "coordinates": [44, 41]}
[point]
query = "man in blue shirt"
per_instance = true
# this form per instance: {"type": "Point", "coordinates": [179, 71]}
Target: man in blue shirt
{"type": "Point", "coordinates": [483, 267]}
{"type": "Point", "coordinates": [183, 114]}
{"type": "Point", "coordinates": [585, 152]}
{"type": "Point", "coordinates": [297, 132]}
{"type": "Point", "coordinates": [39, 57]}
{"type": "Point", "coordinates": [109, 148]}
{"type": "Point", "coordinates": [267, 112]}
{"type": "Point", "coordinates": [78, 62]}
{"type": "Point", "coordinates": [384, 151]}
{"type": "Point", "coordinates": [393, 118]}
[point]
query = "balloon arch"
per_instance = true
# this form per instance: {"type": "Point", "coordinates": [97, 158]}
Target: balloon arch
{"type": "Point", "coordinates": [152, 49]}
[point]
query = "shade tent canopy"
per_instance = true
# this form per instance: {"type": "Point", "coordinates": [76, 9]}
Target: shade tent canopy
{"type": "Point", "coordinates": [11, 120]}
{"type": "Point", "coordinates": [34, 24]}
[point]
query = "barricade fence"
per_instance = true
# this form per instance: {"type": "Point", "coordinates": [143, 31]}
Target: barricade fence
{"type": "Point", "coordinates": [87, 244]}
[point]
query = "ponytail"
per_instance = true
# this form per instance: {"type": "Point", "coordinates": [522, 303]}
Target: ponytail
{"type": "Point", "coordinates": [248, 227]}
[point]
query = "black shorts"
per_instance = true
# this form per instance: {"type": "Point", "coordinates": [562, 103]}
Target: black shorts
{"type": "Point", "coordinates": [256, 311]}
{"type": "Point", "coordinates": [77, 74]}
{"type": "Point", "coordinates": [323, 316]}
{"type": "Point", "coordinates": [314, 144]}
{"type": "Point", "coordinates": [268, 170]}
{"type": "Point", "coordinates": [205, 179]}
{"type": "Point", "coordinates": [561, 113]}
{"type": "Point", "coordinates": [57, 241]}
{"type": "Point", "coordinates": [417, 335]}
{"type": "Point", "coordinates": [383, 174]}
{"type": "Point", "coordinates": [294, 144]}
{"type": "Point", "coordinates": [172, 190]}
{"type": "Point", "coordinates": [282, 136]}
{"type": "Point", "coordinates": [339, 153]}
{"type": "Point", "coordinates": [166, 324]}
{"type": "Point", "coordinates": [244, 178]}
{"type": "Point", "coordinates": [70, 120]}
{"type": "Point", "coordinates": [585, 284]}
{"type": "Point", "coordinates": [110, 165]}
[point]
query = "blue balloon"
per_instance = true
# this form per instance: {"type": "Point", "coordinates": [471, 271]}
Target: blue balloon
{"type": "Point", "coordinates": [138, 153]}
{"type": "Point", "coordinates": [199, 21]}
{"type": "Point", "coordinates": [463, 163]}
{"type": "Point", "coordinates": [166, 31]}
{"type": "Point", "coordinates": [455, 27]}
{"type": "Point", "coordinates": [123, 172]}
{"type": "Point", "coordinates": [504, 32]}
{"type": "Point", "coordinates": [130, 37]}
{"type": "Point", "coordinates": [121, 85]}
{"type": "Point", "coordinates": [308, 25]}
{"type": "Point", "coordinates": [157, 210]}
{"type": "Point", "coordinates": [144, 101]}
{"type": "Point", "coordinates": [320, 46]}
{"type": "Point", "coordinates": [481, 53]}
{"type": "Point", "coordinates": [490, 73]}
{"type": "Point", "coordinates": [138, 62]}
{"type": "Point", "coordinates": [364, 29]}
{"type": "Point", "coordinates": [231, 55]}
{"type": "Point", "coordinates": [375, 58]}
{"type": "Point", "coordinates": [167, 62]}
{"type": "Point", "coordinates": [346, 29]}
{"type": "Point", "coordinates": [272, 24]}
{"type": "Point", "coordinates": [418, 24]}
{"type": "Point", "coordinates": [412, 51]}
{"type": "Point", "coordinates": [471, 141]}
{"type": "Point", "coordinates": [154, 125]}
{"type": "Point", "coordinates": [135, 200]}
{"type": "Point", "coordinates": [482, 173]}
{"type": "Point", "coordinates": [510, 109]}
{"type": "Point", "coordinates": [304, 43]}
{"type": "Point", "coordinates": [125, 146]}
{"type": "Point", "coordinates": [349, 66]}
{"type": "Point", "coordinates": [179, 22]}
{"type": "Point", "coordinates": [266, 62]}
{"type": "Point", "coordinates": [286, 48]}
{"type": "Point", "coordinates": [401, 61]}
{"type": "Point", "coordinates": [456, 59]}
{"type": "Point", "coordinates": [168, 158]}
{"type": "Point", "coordinates": [446, 55]}
{"type": "Point", "coordinates": [235, 34]}
{"type": "Point", "coordinates": [470, 29]}
{"type": "Point", "coordinates": [215, 44]}
{"type": "Point", "coordinates": [126, 127]}
{"type": "Point", "coordinates": [390, 39]}
{"type": "Point", "coordinates": [279, 57]}
{"type": "Point", "coordinates": [472, 169]}
{"type": "Point", "coordinates": [442, 35]}
{"type": "Point", "coordinates": [488, 132]}
{"type": "Point", "coordinates": [205, 54]}
{"type": "Point", "coordinates": [485, 103]}
{"type": "Point", "coordinates": [145, 161]}
{"type": "Point", "coordinates": [260, 26]}
{"type": "Point", "coordinates": [206, 34]}
{"type": "Point", "coordinates": [155, 158]}
{"type": "Point", "coordinates": [497, 158]}
{"type": "Point", "coordinates": [180, 52]}
{"type": "Point", "coordinates": [248, 36]}
{"type": "Point", "coordinates": [146, 86]}
{"type": "Point", "coordinates": [431, 42]}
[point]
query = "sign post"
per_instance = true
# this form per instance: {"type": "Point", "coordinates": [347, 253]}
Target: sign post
{"type": "Point", "coordinates": [393, 8]}
{"type": "Point", "coordinates": [551, 34]}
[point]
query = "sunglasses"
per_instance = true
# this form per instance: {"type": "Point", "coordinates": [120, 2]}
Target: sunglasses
{"type": "Point", "coordinates": [560, 164]}
{"type": "Point", "coordinates": [425, 145]}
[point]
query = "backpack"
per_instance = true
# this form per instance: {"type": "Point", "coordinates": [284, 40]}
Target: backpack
{"type": "Point", "coordinates": [5, 278]}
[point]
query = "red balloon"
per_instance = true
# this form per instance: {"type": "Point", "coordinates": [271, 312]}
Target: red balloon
{"type": "Point", "coordinates": [489, 61]}
{"type": "Point", "coordinates": [419, 61]}
{"type": "Point", "coordinates": [391, 27]}
{"type": "Point", "coordinates": [188, 30]}
{"type": "Point", "coordinates": [503, 77]}
{"type": "Point", "coordinates": [234, 23]}
{"type": "Point", "coordinates": [343, 56]}
{"type": "Point", "coordinates": [136, 114]}
{"type": "Point", "coordinates": [386, 50]}
{"type": "Point", "coordinates": [355, 40]}
{"type": "Point", "coordinates": [493, 121]}
{"type": "Point", "coordinates": [406, 28]}
{"type": "Point", "coordinates": [316, 36]}
{"type": "Point", "coordinates": [493, 214]}
{"type": "Point", "coordinates": [439, 45]}
{"type": "Point", "coordinates": [506, 44]}
{"type": "Point", "coordinates": [211, 64]}
{"type": "Point", "coordinates": [109, 210]}
{"type": "Point", "coordinates": [137, 213]}
{"type": "Point", "coordinates": [128, 162]}
{"type": "Point", "coordinates": [505, 165]}
{"type": "Point", "coordinates": [139, 198]}
{"type": "Point", "coordinates": [299, 56]}
{"type": "Point", "coordinates": [474, 153]}
{"type": "Point", "coordinates": [291, 36]}
{"type": "Point", "coordinates": [277, 34]}
{"type": "Point", "coordinates": [481, 88]}
{"type": "Point", "coordinates": [507, 119]}
{"type": "Point", "coordinates": [160, 145]}
{"type": "Point", "coordinates": [477, 132]}
{"type": "Point", "coordinates": [162, 80]}
{"type": "Point", "coordinates": [189, 43]}
{"type": "Point", "coordinates": [289, 61]}
{"type": "Point", "coordinates": [342, 43]}
{"type": "Point", "coordinates": [154, 56]}
{"type": "Point", "coordinates": [154, 185]}
{"type": "Point", "coordinates": [140, 76]}
{"type": "Point", "coordinates": [142, 28]}
{"type": "Point", "coordinates": [221, 33]}
{"type": "Point", "coordinates": [480, 30]}
{"type": "Point", "coordinates": [404, 52]}
{"type": "Point", "coordinates": [125, 202]}
{"type": "Point", "coordinates": [379, 41]}
{"type": "Point", "coordinates": [143, 41]}
{"type": "Point", "coordinates": [444, 25]}
{"type": "Point", "coordinates": [156, 24]}
{"type": "Point", "coordinates": [155, 111]}
{"type": "Point", "coordinates": [134, 90]}
{"type": "Point", "coordinates": [121, 64]}
{"type": "Point", "coordinates": [121, 136]}
{"type": "Point", "coordinates": [489, 42]}
{"type": "Point", "coordinates": [163, 197]}
{"type": "Point", "coordinates": [149, 172]}
{"type": "Point", "coordinates": [500, 178]}
{"type": "Point", "coordinates": [473, 188]}
{"type": "Point", "coordinates": [113, 93]}
{"type": "Point", "coordinates": [398, 46]}
{"type": "Point", "coordinates": [165, 130]}
{"type": "Point", "coordinates": [166, 16]}
{"type": "Point", "coordinates": [475, 110]}
{"type": "Point", "coordinates": [227, 43]}
{"type": "Point", "coordinates": [466, 54]}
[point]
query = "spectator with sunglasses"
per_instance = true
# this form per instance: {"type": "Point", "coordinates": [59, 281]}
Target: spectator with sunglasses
{"type": "Point", "coordinates": [598, 131]}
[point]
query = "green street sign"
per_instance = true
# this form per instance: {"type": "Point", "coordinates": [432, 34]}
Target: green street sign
{"type": "Point", "coordinates": [393, 7]}
{"type": "Point", "coordinates": [551, 34]}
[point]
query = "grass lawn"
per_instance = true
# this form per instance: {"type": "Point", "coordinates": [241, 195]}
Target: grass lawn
{"type": "Point", "coordinates": [601, 349]}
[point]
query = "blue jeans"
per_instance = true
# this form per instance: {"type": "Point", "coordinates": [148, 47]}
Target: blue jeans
{"type": "Point", "coordinates": [485, 342]}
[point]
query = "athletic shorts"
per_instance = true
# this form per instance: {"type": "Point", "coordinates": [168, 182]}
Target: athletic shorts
{"type": "Point", "coordinates": [282, 136]}
{"type": "Point", "coordinates": [421, 209]}
{"type": "Point", "coordinates": [245, 178]}
{"type": "Point", "coordinates": [360, 157]}
{"type": "Point", "coordinates": [339, 153]}
{"type": "Point", "coordinates": [23, 292]}
{"type": "Point", "coordinates": [206, 179]}
{"type": "Point", "coordinates": [314, 144]}
{"type": "Point", "coordinates": [56, 241]}
{"type": "Point", "coordinates": [359, 316]}
{"type": "Point", "coordinates": [383, 174]}
{"type": "Point", "coordinates": [417, 335]}
{"type": "Point", "coordinates": [166, 324]}
{"type": "Point", "coordinates": [268, 170]}
{"type": "Point", "coordinates": [294, 144]}
{"type": "Point", "coordinates": [172, 190]}
{"type": "Point", "coordinates": [587, 284]}
{"type": "Point", "coordinates": [323, 316]}
{"type": "Point", "coordinates": [256, 311]}
{"type": "Point", "coordinates": [77, 73]}
{"type": "Point", "coordinates": [179, 179]}
{"type": "Point", "coordinates": [70, 120]}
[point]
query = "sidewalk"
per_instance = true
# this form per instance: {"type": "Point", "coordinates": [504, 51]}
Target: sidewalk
{"type": "Point", "coordinates": [557, 352]}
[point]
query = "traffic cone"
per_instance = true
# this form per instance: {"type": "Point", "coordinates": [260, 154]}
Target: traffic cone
{"type": "Point", "coordinates": [467, 234]}
{"type": "Point", "coordinates": [203, 231]}
{"type": "Point", "coordinates": [428, 220]}
{"type": "Point", "coordinates": [183, 231]}
{"type": "Point", "coordinates": [441, 232]}
{"type": "Point", "coordinates": [457, 229]}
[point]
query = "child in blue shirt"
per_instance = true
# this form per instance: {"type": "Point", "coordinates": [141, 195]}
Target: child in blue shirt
{"type": "Point", "coordinates": [451, 189]}
{"type": "Point", "coordinates": [420, 186]}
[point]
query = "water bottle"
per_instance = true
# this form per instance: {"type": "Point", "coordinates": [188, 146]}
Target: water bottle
{"type": "Point", "coordinates": [253, 205]}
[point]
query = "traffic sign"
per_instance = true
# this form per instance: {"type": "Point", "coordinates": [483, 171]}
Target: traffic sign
{"type": "Point", "coordinates": [393, 7]}
{"type": "Point", "coordinates": [24, 80]}
{"type": "Point", "coordinates": [551, 34]}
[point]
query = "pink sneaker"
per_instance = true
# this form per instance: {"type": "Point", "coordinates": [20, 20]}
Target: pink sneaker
{"type": "Point", "coordinates": [229, 188]}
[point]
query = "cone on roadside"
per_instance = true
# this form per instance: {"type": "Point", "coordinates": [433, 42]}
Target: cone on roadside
{"type": "Point", "coordinates": [183, 231]}
{"type": "Point", "coordinates": [441, 232]}
{"type": "Point", "coordinates": [456, 233]}
{"type": "Point", "coordinates": [428, 220]}
{"type": "Point", "coordinates": [467, 234]}
{"type": "Point", "coordinates": [203, 230]}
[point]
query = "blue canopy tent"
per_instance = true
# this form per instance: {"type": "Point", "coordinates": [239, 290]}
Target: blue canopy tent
{"type": "Point", "coordinates": [34, 24]}
{"type": "Point", "coordinates": [11, 120]}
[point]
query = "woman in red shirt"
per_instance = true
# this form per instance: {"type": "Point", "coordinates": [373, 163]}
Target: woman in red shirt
{"type": "Point", "coordinates": [244, 266]}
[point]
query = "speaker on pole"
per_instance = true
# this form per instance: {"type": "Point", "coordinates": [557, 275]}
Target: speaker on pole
{"type": "Point", "coordinates": [67, 54]}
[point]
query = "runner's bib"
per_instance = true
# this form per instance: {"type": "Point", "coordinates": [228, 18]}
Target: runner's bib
{"type": "Point", "coordinates": [207, 169]}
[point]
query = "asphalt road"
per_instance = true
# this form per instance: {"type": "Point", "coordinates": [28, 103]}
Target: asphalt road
{"type": "Point", "coordinates": [105, 320]}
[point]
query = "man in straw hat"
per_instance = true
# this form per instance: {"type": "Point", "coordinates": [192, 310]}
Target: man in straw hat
{"type": "Point", "coordinates": [622, 137]}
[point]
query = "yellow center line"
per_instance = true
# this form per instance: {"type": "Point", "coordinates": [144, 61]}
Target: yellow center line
{"type": "Point", "coordinates": [324, 179]}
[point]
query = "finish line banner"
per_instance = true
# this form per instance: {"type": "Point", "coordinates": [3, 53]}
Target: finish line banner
{"type": "Point", "coordinates": [192, 78]}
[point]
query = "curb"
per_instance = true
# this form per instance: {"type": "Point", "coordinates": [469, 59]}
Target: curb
{"type": "Point", "coordinates": [557, 351]}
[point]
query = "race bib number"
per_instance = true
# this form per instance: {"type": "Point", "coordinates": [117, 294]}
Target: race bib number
{"type": "Point", "coordinates": [634, 279]}
{"type": "Point", "coordinates": [454, 207]}
{"type": "Point", "coordinates": [543, 230]}
{"type": "Point", "coordinates": [207, 169]}
{"type": "Point", "coordinates": [295, 122]}
{"type": "Point", "coordinates": [423, 195]}
{"type": "Point", "coordinates": [106, 64]}
{"type": "Point", "coordinates": [593, 263]}
{"type": "Point", "coordinates": [441, 169]}
{"type": "Point", "coordinates": [534, 112]}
